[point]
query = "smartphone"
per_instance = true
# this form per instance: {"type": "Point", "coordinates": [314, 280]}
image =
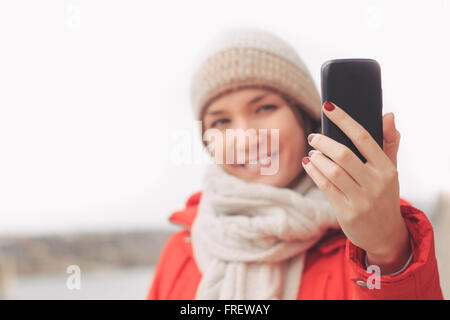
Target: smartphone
{"type": "Point", "coordinates": [355, 86]}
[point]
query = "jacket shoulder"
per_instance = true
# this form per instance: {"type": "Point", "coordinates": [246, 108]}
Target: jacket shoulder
{"type": "Point", "coordinates": [404, 202]}
{"type": "Point", "coordinates": [174, 255]}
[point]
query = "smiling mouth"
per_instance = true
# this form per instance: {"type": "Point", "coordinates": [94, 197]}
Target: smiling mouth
{"type": "Point", "coordinates": [265, 162]}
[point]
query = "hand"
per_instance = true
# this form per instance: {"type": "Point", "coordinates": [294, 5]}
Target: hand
{"type": "Point", "coordinates": [365, 196]}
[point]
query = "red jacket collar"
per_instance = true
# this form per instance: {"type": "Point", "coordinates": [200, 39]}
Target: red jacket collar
{"type": "Point", "coordinates": [332, 239]}
{"type": "Point", "coordinates": [186, 216]}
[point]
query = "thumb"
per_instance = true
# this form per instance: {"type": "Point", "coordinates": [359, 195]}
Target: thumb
{"type": "Point", "coordinates": [391, 137]}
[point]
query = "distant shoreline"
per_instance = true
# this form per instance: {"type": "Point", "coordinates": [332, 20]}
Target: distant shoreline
{"type": "Point", "coordinates": [90, 250]}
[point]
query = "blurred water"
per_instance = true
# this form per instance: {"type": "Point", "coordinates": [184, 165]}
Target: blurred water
{"type": "Point", "coordinates": [131, 283]}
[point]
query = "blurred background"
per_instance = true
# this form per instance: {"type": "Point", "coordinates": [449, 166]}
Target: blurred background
{"type": "Point", "coordinates": [94, 96]}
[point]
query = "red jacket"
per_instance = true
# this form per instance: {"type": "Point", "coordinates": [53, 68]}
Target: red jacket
{"type": "Point", "coordinates": [333, 266]}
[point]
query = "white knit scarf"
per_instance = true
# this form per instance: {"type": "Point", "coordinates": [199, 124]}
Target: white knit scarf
{"type": "Point", "coordinates": [250, 239]}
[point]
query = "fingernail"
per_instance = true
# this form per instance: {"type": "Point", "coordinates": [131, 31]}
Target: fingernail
{"type": "Point", "coordinates": [310, 153]}
{"type": "Point", "coordinates": [310, 137]}
{"type": "Point", "coordinates": [305, 160]}
{"type": "Point", "coordinates": [328, 106]}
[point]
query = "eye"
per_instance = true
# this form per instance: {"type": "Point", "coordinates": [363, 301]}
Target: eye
{"type": "Point", "coordinates": [219, 122]}
{"type": "Point", "coordinates": [266, 107]}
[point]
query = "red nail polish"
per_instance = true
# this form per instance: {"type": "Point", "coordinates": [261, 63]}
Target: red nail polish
{"type": "Point", "coordinates": [328, 106]}
{"type": "Point", "coordinates": [310, 137]}
{"type": "Point", "coordinates": [305, 160]}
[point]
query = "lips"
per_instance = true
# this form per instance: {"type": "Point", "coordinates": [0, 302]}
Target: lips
{"type": "Point", "coordinates": [262, 163]}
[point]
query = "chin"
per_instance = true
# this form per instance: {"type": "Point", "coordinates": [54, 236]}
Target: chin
{"type": "Point", "coordinates": [280, 179]}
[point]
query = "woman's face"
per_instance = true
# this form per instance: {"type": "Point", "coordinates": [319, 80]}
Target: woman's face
{"type": "Point", "coordinates": [255, 108]}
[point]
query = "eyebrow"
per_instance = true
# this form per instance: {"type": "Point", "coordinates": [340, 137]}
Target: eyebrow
{"type": "Point", "coordinates": [253, 100]}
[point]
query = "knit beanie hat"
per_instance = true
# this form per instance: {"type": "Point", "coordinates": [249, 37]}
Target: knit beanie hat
{"type": "Point", "coordinates": [252, 57]}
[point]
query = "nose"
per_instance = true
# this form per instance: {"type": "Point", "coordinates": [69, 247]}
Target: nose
{"type": "Point", "coordinates": [246, 145]}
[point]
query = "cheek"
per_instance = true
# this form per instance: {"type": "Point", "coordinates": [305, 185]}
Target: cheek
{"type": "Point", "coordinates": [293, 148]}
{"type": "Point", "coordinates": [292, 139]}
{"type": "Point", "coordinates": [219, 147]}
{"type": "Point", "coordinates": [296, 141]}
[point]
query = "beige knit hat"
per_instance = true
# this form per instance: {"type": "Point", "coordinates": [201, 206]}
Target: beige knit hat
{"type": "Point", "coordinates": [241, 57]}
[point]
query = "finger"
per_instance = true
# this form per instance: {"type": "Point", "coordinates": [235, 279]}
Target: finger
{"type": "Point", "coordinates": [330, 191]}
{"type": "Point", "coordinates": [336, 174]}
{"type": "Point", "coordinates": [362, 139]}
{"type": "Point", "coordinates": [391, 137]}
{"type": "Point", "coordinates": [342, 155]}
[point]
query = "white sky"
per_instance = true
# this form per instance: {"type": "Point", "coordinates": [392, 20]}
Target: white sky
{"type": "Point", "coordinates": [92, 91]}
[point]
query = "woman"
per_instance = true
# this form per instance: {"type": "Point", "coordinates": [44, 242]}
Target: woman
{"type": "Point", "coordinates": [319, 224]}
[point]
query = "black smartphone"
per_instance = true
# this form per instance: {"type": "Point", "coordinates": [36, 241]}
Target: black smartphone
{"type": "Point", "coordinates": [355, 86]}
